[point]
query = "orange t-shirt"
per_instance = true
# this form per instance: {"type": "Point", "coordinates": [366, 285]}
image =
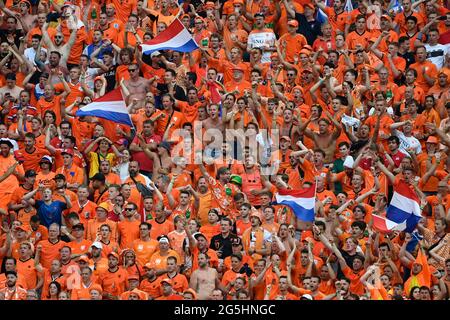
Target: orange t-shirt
{"type": "Point", "coordinates": [128, 232]}
{"type": "Point", "coordinates": [144, 249]}
{"type": "Point", "coordinates": [53, 105]}
{"type": "Point", "coordinates": [50, 252]}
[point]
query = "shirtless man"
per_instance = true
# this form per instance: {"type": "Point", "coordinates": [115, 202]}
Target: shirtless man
{"type": "Point", "coordinates": [137, 86]}
{"type": "Point", "coordinates": [26, 19]}
{"type": "Point", "coordinates": [10, 91]}
{"type": "Point", "coordinates": [213, 121]}
{"type": "Point", "coordinates": [205, 279]}
{"type": "Point", "coordinates": [59, 45]}
{"type": "Point", "coordinates": [324, 140]}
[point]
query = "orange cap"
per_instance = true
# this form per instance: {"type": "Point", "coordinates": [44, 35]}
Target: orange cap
{"type": "Point", "coordinates": [293, 23]}
{"type": "Point", "coordinates": [96, 287]}
{"type": "Point", "coordinates": [209, 5]}
{"type": "Point", "coordinates": [83, 258]}
{"type": "Point", "coordinates": [432, 139]}
{"type": "Point", "coordinates": [166, 280]}
{"type": "Point", "coordinates": [114, 254]}
{"type": "Point", "coordinates": [191, 291]}
{"type": "Point", "coordinates": [257, 214]}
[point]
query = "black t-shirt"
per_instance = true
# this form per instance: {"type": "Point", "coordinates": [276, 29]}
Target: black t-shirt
{"type": "Point", "coordinates": [310, 29]}
{"type": "Point", "coordinates": [179, 92]}
{"type": "Point", "coordinates": [222, 245]}
{"type": "Point", "coordinates": [110, 77]}
{"type": "Point", "coordinates": [348, 259]}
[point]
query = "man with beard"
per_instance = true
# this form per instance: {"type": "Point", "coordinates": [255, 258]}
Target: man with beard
{"type": "Point", "coordinates": [205, 279]}
{"type": "Point", "coordinates": [223, 190]}
{"type": "Point", "coordinates": [59, 45]}
{"type": "Point", "coordinates": [205, 200]}
{"type": "Point", "coordinates": [114, 280]}
{"type": "Point", "coordinates": [148, 139]}
{"type": "Point", "coordinates": [133, 179]}
{"type": "Point", "coordinates": [12, 291]}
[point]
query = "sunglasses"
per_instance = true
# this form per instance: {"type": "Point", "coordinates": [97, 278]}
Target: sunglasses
{"type": "Point", "coordinates": [129, 209]}
{"type": "Point", "coordinates": [58, 37]}
{"type": "Point", "coordinates": [131, 70]}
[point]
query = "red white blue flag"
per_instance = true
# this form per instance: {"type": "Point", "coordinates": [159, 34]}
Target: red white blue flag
{"type": "Point", "coordinates": [302, 202]}
{"type": "Point", "coordinates": [403, 213]}
{"type": "Point", "coordinates": [111, 107]}
{"type": "Point", "coordinates": [176, 37]}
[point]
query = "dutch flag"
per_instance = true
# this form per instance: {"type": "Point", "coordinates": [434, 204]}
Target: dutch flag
{"type": "Point", "coordinates": [175, 37]}
{"type": "Point", "coordinates": [302, 202]}
{"type": "Point", "coordinates": [111, 107]}
{"type": "Point", "coordinates": [403, 213]}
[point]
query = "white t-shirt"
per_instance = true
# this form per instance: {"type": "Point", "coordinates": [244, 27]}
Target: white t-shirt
{"type": "Point", "coordinates": [261, 39]}
{"type": "Point", "coordinates": [408, 142]}
{"type": "Point", "coordinates": [436, 54]}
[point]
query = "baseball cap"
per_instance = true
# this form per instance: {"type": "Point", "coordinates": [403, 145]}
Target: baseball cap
{"type": "Point", "coordinates": [21, 227]}
{"type": "Point", "coordinates": [191, 291]}
{"type": "Point", "coordinates": [432, 139]}
{"type": "Point", "coordinates": [256, 214]}
{"type": "Point", "coordinates": [83, 258]}
{"type": "Point", "coordinates": [237, 68]}
{"type": "Point", "coordinates": [285, 138]}
{"type": "Point", "coordinates": [163, 238]}
{"type": "Point", "coordinates": [67, 3]}
{"type": "Point", "coordinates": [60, 176]}
{"type": "Point", "coordinates": [198, 234]}
{"type": "Point", "coordinates": [238, 1]}
{"type": "Point", "coordinates": [96, 287]}
{"type": "Point", "coordinates": [293, 23]}
{"type": "Point", "coordinates": [97, 244]}
{"type": "Point", "coordinates": [307, 297]}
{"type": "Point", "coordinates": [236, 241]}
{"type": "Point", "coordinates": [46, 159]}
{"type": "Point", "coordinates": [133, 277]}
{"type": "Point", "coordinates": [307, 70]}
{"type": "Point", "coordinates": [310, 5]}
{"type": "Point", "coordinates": [78, 226]}
{"type": "Point", "coordinates": [67, 151]}
{"type": "Point", "coordinates": [30, 173]}
{"type": "Point", "coordinates": [155, 54]}
{"type": "Point", "coordinates": [104, 206]}
{"type": "Point", "coordinates": [99, 177]}
{"type": "Point", "coordinates": [114, 254]}
{"type": "Point", "coordinates": [236, 179]}
{"type": "Point", "coordinates": [166, 280]}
